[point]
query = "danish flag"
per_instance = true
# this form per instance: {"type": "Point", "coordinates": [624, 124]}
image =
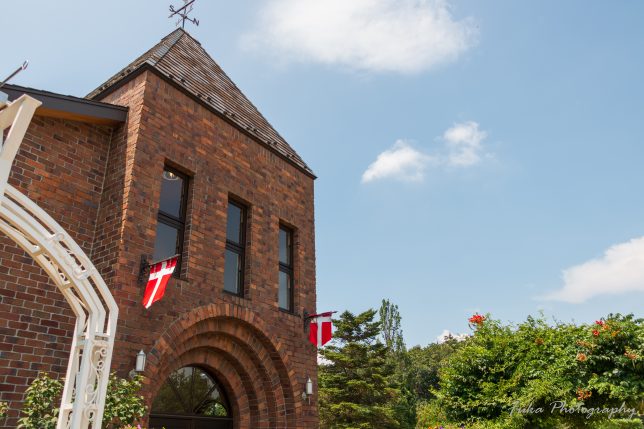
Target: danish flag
{"type": "Point", "coordinates": [160, 273]}
{"type": "Point", "coordinates": [320, 329]}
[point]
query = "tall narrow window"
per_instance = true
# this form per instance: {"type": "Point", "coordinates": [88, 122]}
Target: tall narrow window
{"type": "Point", "coordinates": [235, 248]}
{"type": "Point", "coordinates": [286, 268]}
{"type": "Point", "coordinates": [171, 219]}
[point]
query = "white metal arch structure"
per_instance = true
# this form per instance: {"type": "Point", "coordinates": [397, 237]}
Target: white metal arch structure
{"type": "Point", "coordinates": [71, 270]}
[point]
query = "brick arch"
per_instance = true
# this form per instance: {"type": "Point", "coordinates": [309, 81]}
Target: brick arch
{"type": "Point", "coordinates": [255, 379]}
{"type": "Point", "coordinates": [240, 339]}
{"type": "Point", "coordinates": [237, 386]}
{"type": "Point", "coordinates": [225, 333]}
{"type": "Point", "coordinates": [258, 371]}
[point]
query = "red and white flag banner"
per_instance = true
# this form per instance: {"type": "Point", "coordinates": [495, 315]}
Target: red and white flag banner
{"type": "Point", "coordinates": [321, 328]}
{"type": "Point", "coordinates": [160, 273]}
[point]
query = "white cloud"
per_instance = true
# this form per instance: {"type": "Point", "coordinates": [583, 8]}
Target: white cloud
{"type": "Point", "coordinates": [323, 361]}
{"type": "Point", "coordinates": [463, 148]}
{"type": "Point", "coordinates": [401, 162]}
{"type": "Point", "coordinates": [404, 36]}
{"type": "Point", "coordinates": [464, 144]}
{"type": "Point", "coordinates": [619, 270]}
{"type": "Point", "coordinates": [447, 335]}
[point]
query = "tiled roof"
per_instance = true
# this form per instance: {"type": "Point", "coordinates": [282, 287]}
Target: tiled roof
{"type": "Point", "coordinates": [181, 58]}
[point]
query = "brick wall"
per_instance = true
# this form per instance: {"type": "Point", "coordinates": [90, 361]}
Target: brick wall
{"type": "Point", "coordinates": [60, 165]}
{"type": "Point", "coordinates": [104, 186]}
{"type": "Point", "coordinates": [221, 161]}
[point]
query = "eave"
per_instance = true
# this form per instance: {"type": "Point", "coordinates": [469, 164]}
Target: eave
{"type": "Point", "coordinates": [71, 108]}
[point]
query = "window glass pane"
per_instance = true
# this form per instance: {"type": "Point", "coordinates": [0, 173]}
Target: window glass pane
{"type": "Point", "coordinates": [166, 241]}
{"type": "Point", "coordinates": [171, 194]}
{"type": "Point", "coordinates": [232, 271]}
{"type": "Point", "coordinates": [285, 246]}
{"type": "Point", "coordinates": [167, 400]}
{"type": "Point", "coordinates": [190, 391]}
{"type": "Point", "coordinates": [285, 291]}
{"type": "Point", "coordinates": [234, 226]}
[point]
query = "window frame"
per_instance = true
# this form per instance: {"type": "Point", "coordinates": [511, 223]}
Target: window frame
{"type": "Point", "coordinates": [239, 249]}
{"type": "Point", "coordinates": [287, 269]}
{"type": "Point", "coordinates": [179, 223]}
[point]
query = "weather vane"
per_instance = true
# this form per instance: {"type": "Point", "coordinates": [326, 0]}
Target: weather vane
{"type": "Point", "coordinates": [183, 13]}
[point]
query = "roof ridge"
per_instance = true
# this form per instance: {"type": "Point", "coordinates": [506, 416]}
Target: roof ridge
{"type": "Point", "coordinates": [185, 62]}
{"type": "Point", "coordinates": [230, 81]}
{"type": "Point", "coordinates": [141, 59]}
{"type": "Point", "coordinates": [180, 32]}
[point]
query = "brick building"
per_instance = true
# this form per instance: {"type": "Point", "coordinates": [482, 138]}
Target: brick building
{"type": "Point", "coordinates": [168, 156]}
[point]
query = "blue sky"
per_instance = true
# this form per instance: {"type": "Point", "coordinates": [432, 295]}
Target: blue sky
{"type": "Point", "coordinates": [472, 156]}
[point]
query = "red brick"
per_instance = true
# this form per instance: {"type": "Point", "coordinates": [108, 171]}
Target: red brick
{"type": "Point", "coordinates": [102, 184]}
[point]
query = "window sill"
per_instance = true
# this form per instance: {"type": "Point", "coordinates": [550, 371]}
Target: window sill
{"type": "Point", "coordinates": [236, 295]}
{"type": "Point", "coordinates": [180, 279]}
{"type": "Point", "coordinates": [289, 312]}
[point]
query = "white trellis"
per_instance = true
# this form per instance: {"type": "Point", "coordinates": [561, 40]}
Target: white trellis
{"type": "Point", "coordinates": [71, 270]}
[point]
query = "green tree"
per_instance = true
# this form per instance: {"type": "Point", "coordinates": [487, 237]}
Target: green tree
{"type": "Point", "coordinates": [390, 326]}
{"type": "Point", "coordinates": [425, 365]}
{"type": "Point", "coordinates": [391, 331]}
{"type": "Point", "coordinates": [356, 388]}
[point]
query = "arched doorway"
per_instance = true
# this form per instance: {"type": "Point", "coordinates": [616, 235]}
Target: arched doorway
{"type": "Point", "coordinates": [191, 399]}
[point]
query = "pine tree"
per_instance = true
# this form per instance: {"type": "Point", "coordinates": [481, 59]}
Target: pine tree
{"type": "Point", "coordinates": [356, 390]}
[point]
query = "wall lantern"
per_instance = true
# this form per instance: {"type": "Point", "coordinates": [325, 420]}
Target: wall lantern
{"type": "Point", "coordinates": [140, 364]}
{"type": "Point", "coordinates": [308, 390]}
{"type": "Point", "coordinates": [140, 361]}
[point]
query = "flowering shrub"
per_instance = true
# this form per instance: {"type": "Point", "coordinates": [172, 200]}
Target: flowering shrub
{"type": "Point", "coordinates": [476, 320]}
{"type": "Point", "coordinates": [4, 407]}
{"type": "Point", "coordinates": [509, 376]}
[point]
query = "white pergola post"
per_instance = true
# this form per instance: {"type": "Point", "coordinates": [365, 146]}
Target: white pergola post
{"type": "Point", "coordinates": [71, 270]}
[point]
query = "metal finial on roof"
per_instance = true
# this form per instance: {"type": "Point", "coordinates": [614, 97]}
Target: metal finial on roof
{"type": "Point", "coordinates": [18, 70]}
{"type": "Point", "coordinates": [183, 12]}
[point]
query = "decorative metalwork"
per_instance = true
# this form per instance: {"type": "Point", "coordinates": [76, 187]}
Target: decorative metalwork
{"type": "Point", "coordinates": [70, 269]}
{"type": "Point", "coordinates": [183, 12]}
{"type": "Point", "coordinates": [22, 67]}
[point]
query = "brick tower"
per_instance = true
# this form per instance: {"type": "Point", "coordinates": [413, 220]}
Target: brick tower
{"type": "Point", "coordinates": [168, 156]}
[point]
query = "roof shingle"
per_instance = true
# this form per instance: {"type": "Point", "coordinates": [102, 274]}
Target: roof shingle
{"type": "Point", "coordinates": [180, 57]}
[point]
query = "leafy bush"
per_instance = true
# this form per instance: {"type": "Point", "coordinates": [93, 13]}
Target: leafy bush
{"type": "Point", "coordinates": [4, 407]}
{"type": "Point", "coordinates": [502, 371]}
{"type": "Point", "coordinates": [40, 408]}
{"type": "Point", "coordinates": [620, 424]}
{"type": "Point", "coordinates": [123, 406]}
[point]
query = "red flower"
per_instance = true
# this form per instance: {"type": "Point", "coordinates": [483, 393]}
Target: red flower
{"type": "Point", "coordinates": [583, 394]}
{"type": "Point", "coordinates": [477, 319]}
{"type": "Point", "coordinates": [596, 332]}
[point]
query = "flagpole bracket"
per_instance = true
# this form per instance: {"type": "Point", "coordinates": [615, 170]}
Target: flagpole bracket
{"type": "Point", "coordinates": [143, 269]}
{"type": "Point", "coordinates": [305, 318]}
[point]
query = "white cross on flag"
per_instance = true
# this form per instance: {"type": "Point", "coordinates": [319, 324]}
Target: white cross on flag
{"type": "Point", "coordinates": [160, 273]}
{"type": "Point", "coordinates": [320, 329]}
